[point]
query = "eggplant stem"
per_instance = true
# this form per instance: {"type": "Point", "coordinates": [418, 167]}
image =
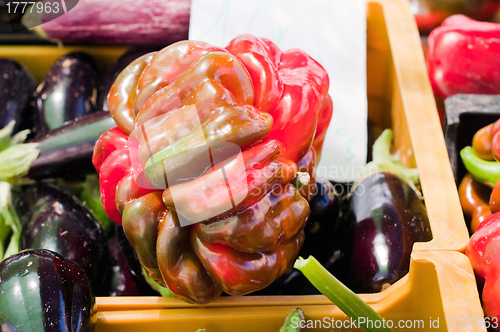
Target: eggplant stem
{"type": "Point", "coordinates": [344, 298]}
{"type": "Point", "coordinates": [383, 161]}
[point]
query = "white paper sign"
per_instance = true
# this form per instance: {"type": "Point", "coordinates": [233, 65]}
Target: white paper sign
{"type": "Point", "coordinates": [333, 32]}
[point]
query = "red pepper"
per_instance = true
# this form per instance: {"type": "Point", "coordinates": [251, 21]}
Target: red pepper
{"type": "Point", "coordinates": [213, 137]}
{"type": "Point", "coordinates": [483, 251]}
{"type": "Point", "coordinates": [464, 57]}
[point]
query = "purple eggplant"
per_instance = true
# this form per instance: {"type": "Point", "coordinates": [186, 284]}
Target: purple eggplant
{"type": "Point", "coordinates": [386, 218]}
{"type": "Point", "coordinates": [17, 86]}
{"type": "Point", "coordinates": [53, 219]}
{"type": "Point", "coordinates": [41, 291]}
{"type": "Point", "coordinates": [67, 92]}
{"type": "Point", "coordinates": [119, 281]}
{"type": "Point", "coordinates": [131, 22]}
{"type": "Point", "coordinates": [67, 151]}
{"type": "Point", "coordinates": [133, 265]}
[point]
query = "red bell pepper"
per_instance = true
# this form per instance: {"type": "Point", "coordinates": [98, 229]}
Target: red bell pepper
{"type": "Point", "coordinates": [464, 57]}
{"type": "Point", "coordinates": [483, 251]}
{"type": "Point", "coordinates": [213, 137]}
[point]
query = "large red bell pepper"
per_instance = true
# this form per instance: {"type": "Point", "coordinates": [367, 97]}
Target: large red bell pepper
{"type": "Point", "coordinates": [464, 57]}
{"type": "Point", "coordinates": [200, 167]}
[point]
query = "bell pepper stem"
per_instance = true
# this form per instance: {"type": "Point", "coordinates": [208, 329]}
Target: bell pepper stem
{"type": "Point", "coordinates": [301, 180]}
{"type": "Point", "coordinates": [292, 321]}
{"type": "Point", "coordinates": [487, 172]}
{"type": "Point", "coordinates": [351, 304]}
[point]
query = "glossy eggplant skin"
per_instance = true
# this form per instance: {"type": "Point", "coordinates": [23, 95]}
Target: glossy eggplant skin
{"type": "Point", "coordinates": [132, 263]}
{"type": "Point", "coordinates": [386, 218]}
{"type": "Point", "coordinates": [53, 219]}
{"type": "Point", "coordinates": [17, 86]}
{"type": "Point", "coordinates": [119, 280]}
{"type": "Point", "coordinates": [43, 292]}
{"type": "Point", "coordinates": [323, 224]}
{"type": "Point", "coordinates": [67, 92]}
{"type": "Point", "coordinates": [67, 151]}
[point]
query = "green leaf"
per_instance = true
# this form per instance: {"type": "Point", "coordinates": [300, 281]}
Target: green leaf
{"type": "Point", "coordinates": [11, 220]}
{"type": "Point", "coordinates": [91, 196]}
{"type": "Point", "coordinates": [292, 322]}
{"type": "Point", "coordinates": [5, 134]}
{"type": "Point", "coordinates": [16, 161]}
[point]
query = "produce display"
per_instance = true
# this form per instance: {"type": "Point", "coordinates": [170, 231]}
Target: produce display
{"type": "Point", "coordinates": [188, 170]}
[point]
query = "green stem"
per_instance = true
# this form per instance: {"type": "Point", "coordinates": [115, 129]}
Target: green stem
{"type": "Point", "coordinates": [164, 292]}
{"type": "Point", "coordinates": [383, 161]}
{"type": "Point", "coordinates": [292, 321]}
{"type": "Point", "coordinates": [487, 172]}
{"type": "Point", "coordinates": [351, 304]}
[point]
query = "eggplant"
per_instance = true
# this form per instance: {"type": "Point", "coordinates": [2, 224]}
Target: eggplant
{"type": "Point", "coordinates": [67, 92]}
{"type": "Point", "coordinates": [322, 226]}
{"type": "Point", "coordinates": [41, 291]}
{"type": "Point", "coordinates": [17, 86]}
{"type": "Point", "coordinates": [67, 151]}
{"type": "Point", "coordinates": [119, 281]}
{"type": "Point", "coordinates": [133, 264]}
{"type": "Point", "coordinates": [130, 22]}
{"type": "Point", "coordinates": [387, 216]}
{"type": "Point", "coordinates": [53, 219]}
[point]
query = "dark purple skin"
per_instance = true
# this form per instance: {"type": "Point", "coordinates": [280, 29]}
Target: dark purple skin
{"type": "Point", "coordinates": [44, 292]}
{"type": "Point", "coordinates": [67, 151]}
{"type": "Point", "coordinates": [386, 218]}
{"type": "Point", "coordinates": [67, 92]}
{"type": "Point", "coordinates": [133, 264]}
{"type": "Point", "coordinates": [53, 219]}
{"type": "Point", "coordinates": [120, 280]}
{"type": "Point", "coordinates": [17, 86]}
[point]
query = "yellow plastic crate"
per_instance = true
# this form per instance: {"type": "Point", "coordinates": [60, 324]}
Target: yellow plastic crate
{"type": "Point", "coordinates": [440, 287]}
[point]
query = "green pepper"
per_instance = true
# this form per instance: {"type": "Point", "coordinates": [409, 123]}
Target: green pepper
{"type": "Point", "coordinates": [487, 172]}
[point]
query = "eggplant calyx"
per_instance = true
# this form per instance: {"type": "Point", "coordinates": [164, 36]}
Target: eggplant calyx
{"type": "Point", "coordinates": [385, 162]}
